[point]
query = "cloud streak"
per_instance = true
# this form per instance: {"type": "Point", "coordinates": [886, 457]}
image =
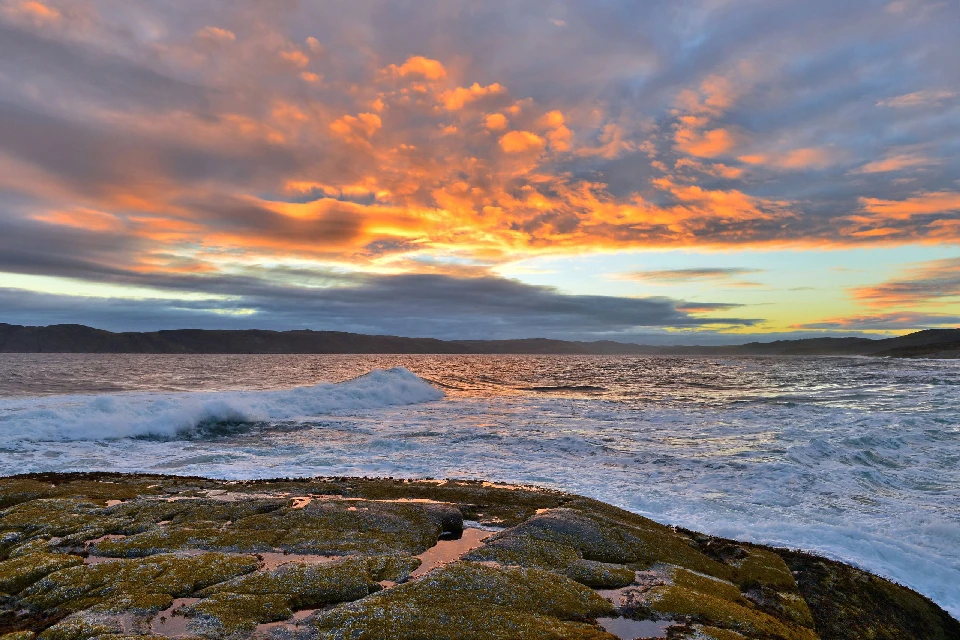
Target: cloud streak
{"type": "Point", "coordinates": [936, 282]}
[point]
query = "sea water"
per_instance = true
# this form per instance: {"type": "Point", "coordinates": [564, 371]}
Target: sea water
{"type": "Point", "coordinates": [854, 458]}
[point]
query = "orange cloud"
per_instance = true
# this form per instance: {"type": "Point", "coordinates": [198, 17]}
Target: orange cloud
{"type": "Point", "coordinates": [918, 205]}
{"type": "Point", "coordinates": [553, 119]}
{"type": "Point", "coordinates": [83, 219]}
{"type": "Point", "coordinates": [216, 34]}
{"type": "Point", "coordinates": [356, 128]}
{"type": "Point", "coordinates": [295, 58]}
{"type": "Point", "coordinates": [704, 144]}
{"type": "Point", "coordinates": [495, 121]}
{"type": "Point", "coordinates": [32, 11]}
{"type": "Point", "coordinates": [420, 67]}
{"type": "Point", "coordinates": [521, 142]}
{"type": "Point", "coordinates": [935, 282]}
{"type": "Point", "coordinates": [455, 99]}
{"type": "Point", "coordinates": [560, 138]}
{"type": "Point", "coordinates": [794, 159]}
{"type": "Point", "coordinates": [897, 162]}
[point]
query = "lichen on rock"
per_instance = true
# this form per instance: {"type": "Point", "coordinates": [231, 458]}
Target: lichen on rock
{"type": "Point", "coordinates": [104, 556]}
{"type": "Point", "coordinates": [470, 600]}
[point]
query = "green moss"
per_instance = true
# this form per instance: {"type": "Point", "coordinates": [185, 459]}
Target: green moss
{"type": "Point", "coordinates": [16, 490]}
{"type": "Point", "coordinates": [50, 517]}
{"type": "Point", "coordinates": [227, 613]}
{"type": "Point", "coordinates": [519, 549]}
{"type": "Point", "coordinates": [595, 537]}
{"type": "Point", "coordinates": [326, 528]}
{"type": "Point", "coordinates": [31, 546]}
{"type": "Point", "coordinates": [483, 501]}
{"type": "Point", "coordinates": [190, 512]}
{"type": "Point", "coordinates": [19, 573]}
{"type": "Point", "coordinates": [529, 590]}
{"type": "Point", "coordinates": [120, 636]}
{"type": "Point", "coordinates": [409, 621]}
{"type": "Point", "coordinates": [468, 600]}
{"type": "Point", "coordinates": [306, 585]}
{"type": "Point", "coordinates": [761, 567]}
{"type": "Point", "coordinates": [396, 568]}
{"type": "Point", "coordinates": [600, 575]}
{"type": "Point", "coordinates": [714, 633]}
{"type": "Point", "coordinates": [675, 601]}
{"type": "Point", "coordinates": [847, 603]}
{"type": "Point", "coordinates": [791, 606]}
{"type": "Point", "coordinates": [19, 635]}
{"type": "Point", "coordinates": [133, 599]}
{"type": "Point", "coordinates": [707, 584]}
{"type": "Point", "coordinates": [84, 586]}
{"type": "Point", "coordinates": [77, 628]}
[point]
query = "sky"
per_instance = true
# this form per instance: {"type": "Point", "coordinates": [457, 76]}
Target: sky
{"type": "Point", "coordinates": [662, 171]}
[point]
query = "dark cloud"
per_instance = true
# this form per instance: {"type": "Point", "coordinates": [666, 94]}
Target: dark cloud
{"type": "Point", "coordinates": [412, 305]}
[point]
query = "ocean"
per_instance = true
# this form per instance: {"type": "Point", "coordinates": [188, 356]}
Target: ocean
{"type": "Point", "coordinates": [857, 459]}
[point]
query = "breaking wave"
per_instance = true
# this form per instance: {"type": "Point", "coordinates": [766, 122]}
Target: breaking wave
{"type": "Point", "coordinates": [201, 414]}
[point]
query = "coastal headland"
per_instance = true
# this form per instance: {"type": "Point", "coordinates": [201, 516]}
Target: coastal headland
{"type": "Point", "coordinates": [118, 557]}
{"type": "Point", "coordinates": [75, 338]}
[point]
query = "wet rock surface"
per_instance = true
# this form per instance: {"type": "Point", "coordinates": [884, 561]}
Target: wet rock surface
{"type": "Point", "coordinates": [114, 556]}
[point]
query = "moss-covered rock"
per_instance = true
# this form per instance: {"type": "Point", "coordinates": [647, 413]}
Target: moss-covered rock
{"type": "Point", "coordinates": [196, 538]}
{"type": "Point", "coordinates": [556, 538]}
{"type": "Point", "coordinates": [322, 527]}
{"type": "Point", "coordinates": [77, 628]}
{"type": "Point", "coordinates": [680, 602]}
{"type": "Point", "coordinates": [600, 575]}
{"type": "Point", "coordinates": [19, 573]}
{"type": "Point", "coordinates": [846, 602]}
{"type": "Point", "coordinates": [227, 613]}
{"type": "Point", "coordinates": [761, 567]}
{"type": "Point", "coordinates": [314, 585]}
{"type": "Point", "coordinates": [148, 582]}
{"type": "Point", "coordinates": [469, 600]}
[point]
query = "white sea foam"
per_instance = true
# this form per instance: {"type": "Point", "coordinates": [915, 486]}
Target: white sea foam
{"type": "Point", "coordinates": [171, 415]}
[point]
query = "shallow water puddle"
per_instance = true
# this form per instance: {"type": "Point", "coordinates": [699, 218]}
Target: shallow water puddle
{"type": "Point", "coordinates": [289, 623]}
{"type": "Point", "coordinates": [450, 550]}
{"type": "Point", "coordinates": [170, 622]}
{"type": "Point", "coordinates": [627, 629]}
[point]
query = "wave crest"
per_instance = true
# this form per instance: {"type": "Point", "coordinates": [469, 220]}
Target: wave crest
{"type": "Point", "coordinates": [186, 415]}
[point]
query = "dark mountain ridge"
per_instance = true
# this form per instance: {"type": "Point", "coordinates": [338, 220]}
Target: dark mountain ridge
{"type": "Point", "coordinates": [73, 338]}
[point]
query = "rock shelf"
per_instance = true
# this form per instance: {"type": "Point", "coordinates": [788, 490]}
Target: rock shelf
{"type": "Point", "coordinates": [118, 557]}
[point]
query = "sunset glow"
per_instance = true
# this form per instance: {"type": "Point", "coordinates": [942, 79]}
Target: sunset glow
{"type": "Point", "coordinates": [614, 170]}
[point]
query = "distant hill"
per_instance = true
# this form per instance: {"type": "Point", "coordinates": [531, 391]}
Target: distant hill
{"type": "Point", "coordinates": [74, 338]}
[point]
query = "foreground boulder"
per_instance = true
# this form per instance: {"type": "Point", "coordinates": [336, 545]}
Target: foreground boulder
{"type": "Point", "coordinates": [115, 557]}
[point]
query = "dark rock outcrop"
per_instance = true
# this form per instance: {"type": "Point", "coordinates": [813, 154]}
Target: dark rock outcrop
{"type": "Point", "coordinates": [118, 557]}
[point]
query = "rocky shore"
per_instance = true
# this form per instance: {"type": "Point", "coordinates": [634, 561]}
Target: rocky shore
{"type": "Point", "coordinates": [134, 556]}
